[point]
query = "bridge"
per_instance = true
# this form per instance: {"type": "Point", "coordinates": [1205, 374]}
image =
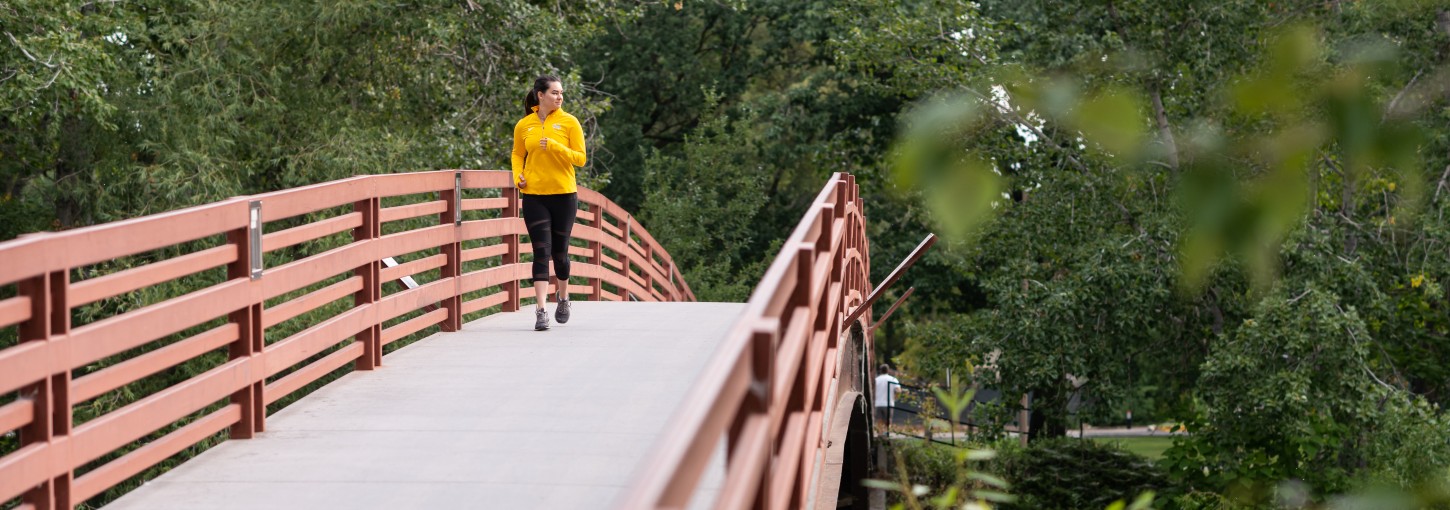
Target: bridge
{"type": "Point", "coordinates": [294, 305]}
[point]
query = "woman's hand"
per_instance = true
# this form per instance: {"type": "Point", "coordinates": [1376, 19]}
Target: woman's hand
{"type": "Point", "coordinates": [543, 143]}
{"type": "Point", "coordinates": [523, 183]}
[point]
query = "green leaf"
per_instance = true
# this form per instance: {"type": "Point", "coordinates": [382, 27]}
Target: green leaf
{"type": "Point", "coordinates": [1294, 49]}
{"type": "Point", "coordinates": [955, 400]}
{"type": "Point", "coordinates": [963, 199]}
{"type": "Point", "coordinates": [945, 499]}
{"type": "Point", "coordinates": [989, 479]}
{"type": "Point", "coordinates": [981, 454]}
{"type": "Point", "coordinates": [1275, 88]}
{"type": "Point", "coordinates": [1144, 501]}
{"type": "Point", "coordinates": [931, 142]}
{"type": "Point", "coordinates": [1114, 118]}
{"type": "Point", "coordinates": [881, 484]}
{"type": "Point", "coordinates": [994, 496]}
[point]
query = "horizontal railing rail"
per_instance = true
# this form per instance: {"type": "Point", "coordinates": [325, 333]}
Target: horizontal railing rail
{"type": "Point", "coordinates": [772, 384]}
{"type": "Point", "coordinates": [464, 249]}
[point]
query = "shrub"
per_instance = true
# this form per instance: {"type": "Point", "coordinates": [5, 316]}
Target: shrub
{"type": "Point", "coordinates": [1067, 473]}
{"type": "Point", "coordinates": [927, 463]}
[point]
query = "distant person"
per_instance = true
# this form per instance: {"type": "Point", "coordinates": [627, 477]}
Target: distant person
{"type": "Point", "coordinates": [548, 144]}
{"type": "Point", "coordinates": [886, 388]}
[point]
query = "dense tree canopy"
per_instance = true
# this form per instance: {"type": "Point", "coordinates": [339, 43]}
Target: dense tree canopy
{"type": "Point", "coordinates": [114, 109]}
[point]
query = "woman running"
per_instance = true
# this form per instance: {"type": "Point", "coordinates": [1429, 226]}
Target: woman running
{"type": "Point", "coordinates": [548, 144]}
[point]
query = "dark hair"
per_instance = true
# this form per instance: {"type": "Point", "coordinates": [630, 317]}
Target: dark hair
{"type": "Point", "coordinates": [883, 368]}
{"type": "Point", "coordinates": [541, 84]}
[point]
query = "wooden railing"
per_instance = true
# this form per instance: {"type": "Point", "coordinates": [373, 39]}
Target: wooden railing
{"type": "Point", "coordinates": [775, 379]}
{"type": "Point", "coordinates": [467, 251]}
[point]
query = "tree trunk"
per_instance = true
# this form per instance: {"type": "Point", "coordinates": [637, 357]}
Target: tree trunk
{"type": "Point", "coordinates": [72, 163]}
{"type": "Point", "coordinates": [1165, 132]}
{"type": "Point", "coordinates": [16, 185]}
{"type": "Point", "coordinates": [1346, 209]}
{"type": "Point", "coordinates": [1048, 417]}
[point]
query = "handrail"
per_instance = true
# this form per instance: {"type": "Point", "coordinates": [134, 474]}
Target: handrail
{"type": "Point", "coordinates": [54, 366]}
{"type": "Point", "coordinates": [770, 386]}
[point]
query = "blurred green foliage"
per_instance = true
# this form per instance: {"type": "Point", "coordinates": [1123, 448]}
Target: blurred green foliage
{"type": "Point", "coordinates": [1185, 164]}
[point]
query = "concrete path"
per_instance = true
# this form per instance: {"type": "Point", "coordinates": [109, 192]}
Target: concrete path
{"type": "Point", "coordinates": [495, 416]}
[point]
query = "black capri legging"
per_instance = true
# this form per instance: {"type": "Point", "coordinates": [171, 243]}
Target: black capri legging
{"type": "Point", "coordinates": [550, 220]}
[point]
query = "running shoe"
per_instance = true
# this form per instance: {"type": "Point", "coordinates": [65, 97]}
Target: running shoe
{"type": "Point", "coordinates": [561, 311]}
{"type": "Point", "coordinates": [541, 319]}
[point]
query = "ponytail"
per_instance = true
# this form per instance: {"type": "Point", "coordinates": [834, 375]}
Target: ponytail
{"type": "Point", "coordinates": [541, 84]}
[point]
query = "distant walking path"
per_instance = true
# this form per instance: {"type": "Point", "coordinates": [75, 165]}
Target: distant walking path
{"type": "Point", "coordinates": [1139, 431]}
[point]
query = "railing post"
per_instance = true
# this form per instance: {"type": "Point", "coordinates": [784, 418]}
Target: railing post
{"type": "Point", "coordinates": [805, 257]}
{"type": "Point", "coordinates": [372, 337]}
{"type": "Point", "coordinates": [453, 269]}
{"type": "Point", "coordinates": [51, 421]}
{"type": "Point", "coordinates": [596, 288]}
{"type": "Point", "coordinates": [757, 401]}
{"type": "Point", "coordinates": [837, 261]}
{"type": "Point", "coordinates": [60, 405]}
{"type": "Point", "coordinates": [644, 267]}
{"type": "Point", "coordinates": [511, 257]}
{"type": "Point", "coordinates": [674, 290]}
{"type": "Point", "coordinates": [797, 400]}
{"type": "Point", "coordinates": [251, 338]}
{"type": "Point", "coordinates": [37, 329]}
{"type": "Point", "coordinates": [1024, 419]}
{"type": "Point", "coordinates": [624, 258]}
{"type": "Point", "coordinates": [861, 243]}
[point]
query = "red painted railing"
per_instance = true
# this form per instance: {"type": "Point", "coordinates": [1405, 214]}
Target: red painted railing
{"type": "Point", "coordinates": [56, 366]}
{"type": "Point", "coordinates": [779, 382]}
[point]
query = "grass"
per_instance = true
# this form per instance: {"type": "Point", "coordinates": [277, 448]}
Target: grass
{"type": "Point", "coordinates": [1151, 447]}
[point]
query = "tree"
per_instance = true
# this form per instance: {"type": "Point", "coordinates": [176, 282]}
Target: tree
{"type": "Point", "coordinates": [658, 66]}
{"type": "Point", "coordinates": [771, 64]}
{"type": "Point", "coordinates": [118, 109]}
{"type": "Point", "coordinates": [1291, 394]}
{"type": "Point", "coordinates": [1241, 178]}
{"type": "Point", "coordinates": [705, 206]}
{"type": "Point", "coordinates": [62, 81]}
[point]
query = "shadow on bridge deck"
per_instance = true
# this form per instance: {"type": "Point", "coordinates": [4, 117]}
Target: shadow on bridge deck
{"type": "Point", "coordinates": [494, 416]}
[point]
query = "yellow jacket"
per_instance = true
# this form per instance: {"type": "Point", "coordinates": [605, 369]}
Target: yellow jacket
{"type": "Point", "coordinates": [548, 170]}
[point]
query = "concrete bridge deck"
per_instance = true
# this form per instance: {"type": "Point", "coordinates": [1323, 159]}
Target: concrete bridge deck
{"type": "Point", "coordinates": [494, 416]}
